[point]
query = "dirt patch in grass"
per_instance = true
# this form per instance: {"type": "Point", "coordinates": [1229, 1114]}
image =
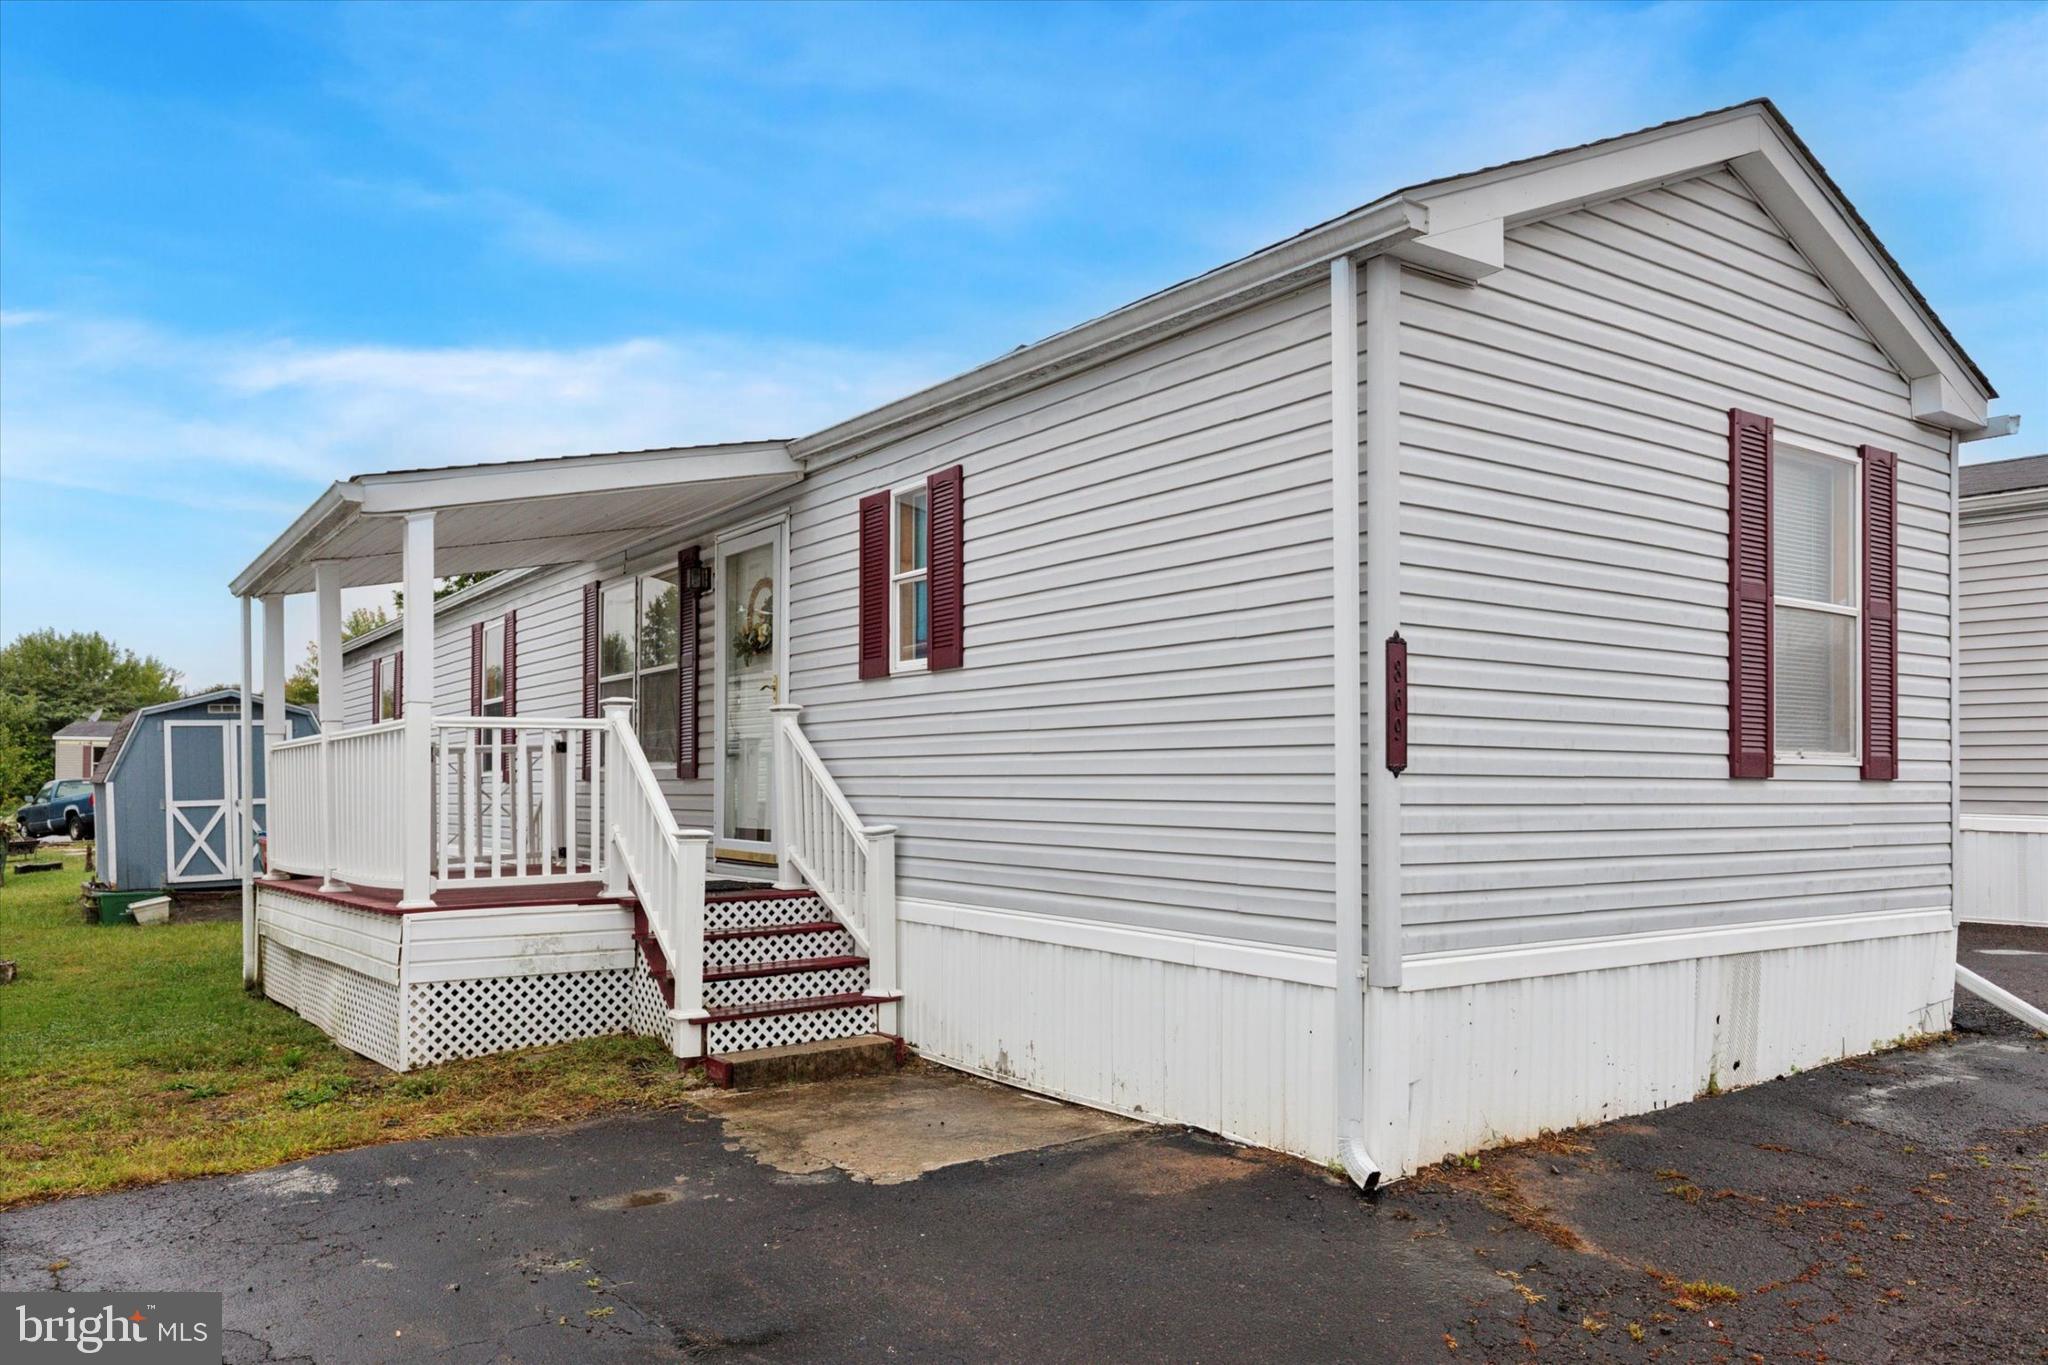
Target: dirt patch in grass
{"type": "Point", "coordinates": [130, 1055]}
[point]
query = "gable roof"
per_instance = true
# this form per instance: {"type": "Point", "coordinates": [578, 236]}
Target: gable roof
{"type": "Point", "coordinates": [118, 745]}
{"type": "Point", "coordinates": [93, 728]}
{"type": "Point", "coordinates": [2005, 476]}
{"type": "Point", "coordinates": [1453, 226]}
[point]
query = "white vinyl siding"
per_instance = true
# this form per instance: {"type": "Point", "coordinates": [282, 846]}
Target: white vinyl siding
{"type": "Point", "coordinates": [1566, 585]}
{"type": "Point", "coordinates": [1141, 733]}
{"type": "Point", "coordinates": [2005, 662]}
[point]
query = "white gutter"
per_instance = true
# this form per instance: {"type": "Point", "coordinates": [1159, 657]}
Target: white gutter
{"type": "Point", "coordinates": [1347, 701]}
{"type": "Point", "coordinates": [330, 506]}
{"type": "Point", "coordinates": [1955, 677]}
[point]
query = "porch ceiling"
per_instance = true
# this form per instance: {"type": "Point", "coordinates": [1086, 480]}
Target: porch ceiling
{"type": "Point", "coordinates": [516, 515]}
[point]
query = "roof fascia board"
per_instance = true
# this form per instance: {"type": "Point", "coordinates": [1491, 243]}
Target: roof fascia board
{"type": "Point", "coordinates": [1750, 140]}
{"type": "Point", "coordinates": [317, 522]}
{"type": "Point", "coordinates": [1286, 266]}
{"type": "Point", "coordinates": [478, 485]}
{"type": "Point", "coordinates": [1945, 392]}
{"type": "Point", "coordinates": [2009, 501]}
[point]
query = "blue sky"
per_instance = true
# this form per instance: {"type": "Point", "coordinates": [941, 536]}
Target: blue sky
{"type": "Point", "coordinates": [245, 250]}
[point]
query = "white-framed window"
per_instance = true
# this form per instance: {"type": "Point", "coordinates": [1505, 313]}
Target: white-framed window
{"type": "Point", "coordinates": [639, 646]}
{"type": "Point", "coordinates": [492, 701]}
{"type": "Point", "coordinates": [1816, 605]}
{"type": "Point", "coordinates": [910, 603]}
{"type": "Point", "coordinates": [384, 706]}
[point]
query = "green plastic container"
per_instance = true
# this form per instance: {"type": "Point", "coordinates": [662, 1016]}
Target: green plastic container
{"type": "Point", "coordinates": [113, 905]}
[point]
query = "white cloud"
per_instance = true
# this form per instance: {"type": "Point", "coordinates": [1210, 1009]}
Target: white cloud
{"type": "Point", "coordinates": [125, 407]}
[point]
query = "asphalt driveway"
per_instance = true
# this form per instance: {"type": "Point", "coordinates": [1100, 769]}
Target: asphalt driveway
{"type": "Point", "coordinates": [1886, 1209]}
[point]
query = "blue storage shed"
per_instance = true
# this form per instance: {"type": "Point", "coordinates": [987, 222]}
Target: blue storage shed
{"type": "Point", "coordinates": [167, 794]}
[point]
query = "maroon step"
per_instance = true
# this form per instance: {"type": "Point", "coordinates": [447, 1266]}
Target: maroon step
{"type": "Point", "coordinates": [766, 893]}
{"type": "Point", "coordinates": [762, 1008]}
{"type": "Point", "coordinates": [813, 926]}
{"type": "Point", "coordinates": [787, 966]}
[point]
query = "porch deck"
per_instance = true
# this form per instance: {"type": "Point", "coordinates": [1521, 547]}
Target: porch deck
{"type": "Point", "coordinates": [384, 899]}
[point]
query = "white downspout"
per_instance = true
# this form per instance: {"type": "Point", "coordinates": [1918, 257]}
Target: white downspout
{"type": "Point", "coordinates": [1955, 679]}
{"type": "Point", "coordinates": [1348, 1037]}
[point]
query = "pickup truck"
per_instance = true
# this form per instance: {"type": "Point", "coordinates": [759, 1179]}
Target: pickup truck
{"type": "Point", "coordinates": [61, 807]}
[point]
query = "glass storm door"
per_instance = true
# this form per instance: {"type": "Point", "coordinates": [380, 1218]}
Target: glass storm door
{"type": "Point", "coordinates": [750, 669]}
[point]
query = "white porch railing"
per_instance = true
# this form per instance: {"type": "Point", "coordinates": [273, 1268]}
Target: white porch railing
{"type": "Point", "coordinates": [662, 864]}
{"type": "Point", "coordinates": [511, 805]}
{"type": "Point", "coordinates": [850, 865]}
{"type": "Point", "coordinates": [331, 809]}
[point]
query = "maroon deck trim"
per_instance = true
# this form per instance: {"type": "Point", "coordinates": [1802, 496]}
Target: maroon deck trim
{"type": "Point", "coordinates": [383, 900]}
{"type": "Point", "coordinates": [787, 966]}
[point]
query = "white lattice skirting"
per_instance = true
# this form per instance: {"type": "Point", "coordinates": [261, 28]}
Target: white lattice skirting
{"type": "Point", "coordinates": [359, 1012]}
{"type": "Point", "coordinates": [430, 989]}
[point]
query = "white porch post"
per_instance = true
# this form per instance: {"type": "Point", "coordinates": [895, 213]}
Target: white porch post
{"type": "Point", "coordinates": [276, 720]}
{"type": "Point", "coordinates": [252, 960]}
{"type": "Point", "coordinates": [416, 798]}
{"type": "Point", "coordinates": [327, 595]}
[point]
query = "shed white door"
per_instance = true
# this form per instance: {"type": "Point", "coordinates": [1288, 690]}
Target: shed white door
{"type": "Point", "coordinates": [202, 801]}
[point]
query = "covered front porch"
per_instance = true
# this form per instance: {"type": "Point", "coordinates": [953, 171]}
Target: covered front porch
{"type": "Point", "coordinates": [420, 865]}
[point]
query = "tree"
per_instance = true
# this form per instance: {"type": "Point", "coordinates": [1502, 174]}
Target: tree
{"type": "Point", "coordinates": [302, 688]}
{"type": "Point", "coordinates": [48, 680]}
{"type": "Point", "coordinates": [451, 584]}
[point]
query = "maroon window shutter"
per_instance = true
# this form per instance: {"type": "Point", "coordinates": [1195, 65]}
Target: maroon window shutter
{"type": "Point", "coordinates": [476, 669]}
{"type": "Point", "coordinates": [1880, 614]}
{"type": "Point", "coordinates": [874, 586]}
{"type": "Point", "coordinates": [376, 691]}
{"type": "Point", "coordinates": [591, 626]}
{"type": "Point", "coordinates": [944, 563]}
{"type": "Point", "coordinates": [687, 627]}
{"type": "Point", "coordinates": [1396, 704]}
{"type": "Point", "coordinates": [398, 685]}
{"type": "Point", "coordinates": [1749, 594]}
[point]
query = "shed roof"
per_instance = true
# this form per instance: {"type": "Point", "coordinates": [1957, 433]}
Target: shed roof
{"type": "Point", "coordinates": [118, 744]}
{"type": "Point", "coordinates": [2005, 476]}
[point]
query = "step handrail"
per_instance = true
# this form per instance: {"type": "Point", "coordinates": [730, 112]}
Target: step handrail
{"type": "Point", "coordinates": [821, 841]}
{"type": "Point", "coordinates": [662, 865]}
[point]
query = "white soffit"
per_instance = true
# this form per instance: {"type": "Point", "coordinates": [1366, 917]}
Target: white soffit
{"type": "Point", "coordinates": [515, 515]}
{"type": "Point", "coordinates": [1467, 218]}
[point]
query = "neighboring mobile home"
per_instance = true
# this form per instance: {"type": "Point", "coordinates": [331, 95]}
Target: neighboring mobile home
{"type": "Point", "coordinates": [168, 794]}
{"type": "Point", "coordinates": [1481, 664]}
{"type": "Point", "coordinates": [79, 746]}
{"type": "Point", "coordinates": [2002, 867]}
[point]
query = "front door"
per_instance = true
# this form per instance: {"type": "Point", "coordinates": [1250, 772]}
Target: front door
{"type": "Point", "coordinates": [751, 653]}
{"type": "Point", "coordinates": [202, 805]}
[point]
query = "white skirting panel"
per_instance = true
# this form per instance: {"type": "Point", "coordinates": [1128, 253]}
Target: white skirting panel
{"type": "Point", "coordinates": [1235, 1038]}
{"type": "Point", "coordinates": [1171, 1041]}
{"type": "Point", "coordinates": [2002, 870]}
{"type": "Point", "coordinates": [1505, 1060]}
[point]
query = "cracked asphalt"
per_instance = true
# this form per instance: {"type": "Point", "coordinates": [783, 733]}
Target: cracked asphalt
{"type": "Point", "coordinates": [1882, 1209]}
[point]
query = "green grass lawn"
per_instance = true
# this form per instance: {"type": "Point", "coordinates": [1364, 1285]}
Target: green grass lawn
{"type": "Point", "coordinates": [132, 1054]}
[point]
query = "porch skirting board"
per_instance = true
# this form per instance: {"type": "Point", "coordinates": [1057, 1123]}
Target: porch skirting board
{"type": "Point", "coordinates": [415, 990]}
{"type": "Point", "coordinates": [1499, 1048]}
{"type": "Point", "coordinates": [2002, 870]}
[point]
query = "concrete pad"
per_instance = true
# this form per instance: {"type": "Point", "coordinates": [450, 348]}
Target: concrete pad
{"type": "Point", "coordinates": [892, 1128]}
